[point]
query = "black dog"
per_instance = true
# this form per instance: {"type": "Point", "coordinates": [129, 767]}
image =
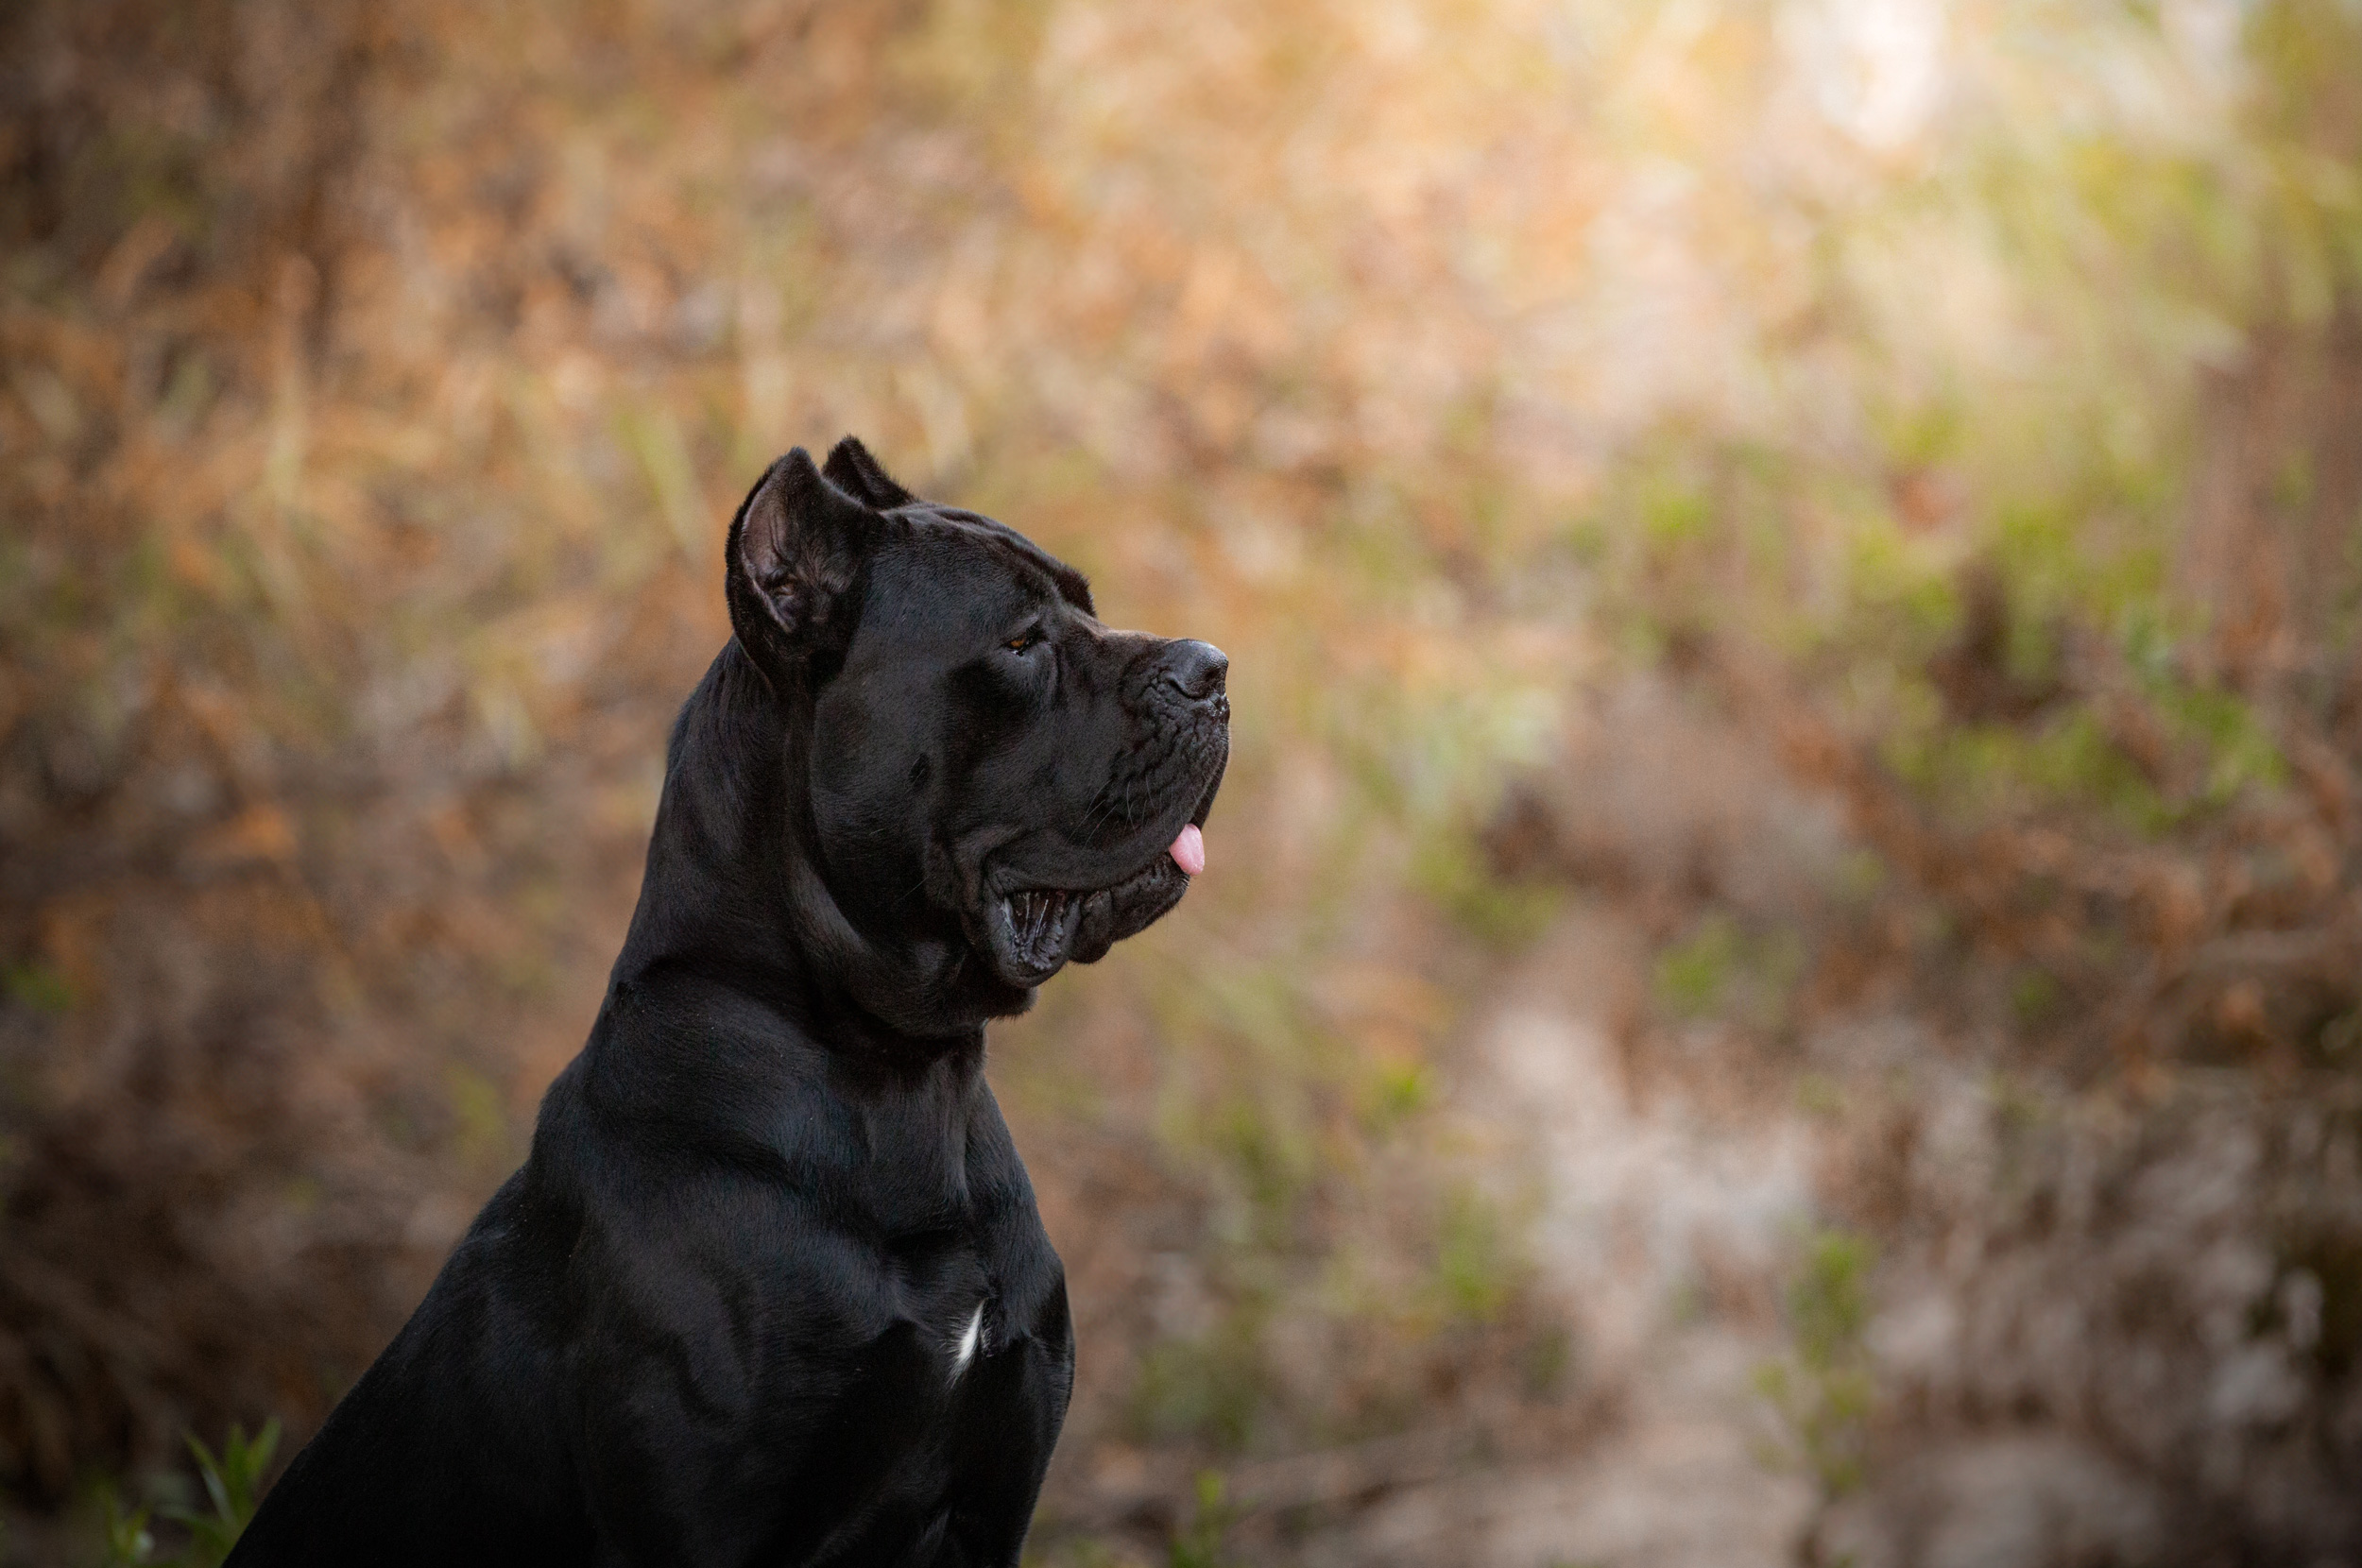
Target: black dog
{"type": "Point", "coordinates": [771, 1288]}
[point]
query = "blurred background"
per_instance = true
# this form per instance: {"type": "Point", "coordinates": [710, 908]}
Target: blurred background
{"type": "Point", "coordinates": [1778, 978]}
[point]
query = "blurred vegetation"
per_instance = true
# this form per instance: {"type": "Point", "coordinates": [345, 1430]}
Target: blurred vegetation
{"type": "Point", "coordinates": [1824, 1392]}
{"type": "Point", "coordinates": [1966, 418]}
{"type": "Point", "coordinates": [232, 1486]}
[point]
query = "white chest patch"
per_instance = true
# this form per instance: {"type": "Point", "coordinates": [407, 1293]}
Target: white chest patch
{"type": "Point", "coordinates": [964, 1348]}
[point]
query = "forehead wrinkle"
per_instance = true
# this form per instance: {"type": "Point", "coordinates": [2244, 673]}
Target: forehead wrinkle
{"type": "Point", "coordinates": [1063, 581]}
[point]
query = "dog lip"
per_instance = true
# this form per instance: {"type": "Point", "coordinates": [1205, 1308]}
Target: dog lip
{"type": "Point", "coordinates": [1000, 885]}
{"type": "Point", "coordinates": [1076, 895]}
{"type": "Point", "coordinates": [1213, 787]}
{"type": "Point", "coordinates": [1033, 931]}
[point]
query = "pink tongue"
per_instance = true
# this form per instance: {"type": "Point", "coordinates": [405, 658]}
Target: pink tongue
{"type": "Point", "coordinates": [1188, 850]}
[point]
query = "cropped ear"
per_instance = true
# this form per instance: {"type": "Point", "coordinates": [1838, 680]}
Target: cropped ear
{"type": "Point", "coordinates": [796, 548]}
{"type": "Point", "coordinates": [855, 472]}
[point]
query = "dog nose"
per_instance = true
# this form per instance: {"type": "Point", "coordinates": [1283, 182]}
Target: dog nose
{"type": "Point", "coordinates": [1196, 670]}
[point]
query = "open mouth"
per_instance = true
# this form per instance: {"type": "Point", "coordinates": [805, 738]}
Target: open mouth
{"type": "Point", "coordinates": [1040, 923]}
{"type": "Point", "coordinates": [1033, 932]}
{"type": "Point", "coordinates": [1036, 931]}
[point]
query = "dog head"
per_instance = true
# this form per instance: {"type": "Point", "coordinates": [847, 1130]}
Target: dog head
{"type": "Point", "coordinates": [984, 781]}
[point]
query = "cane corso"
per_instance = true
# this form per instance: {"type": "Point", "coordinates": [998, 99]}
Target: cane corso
{"type": "Point", "coordinates": [771, 1288]}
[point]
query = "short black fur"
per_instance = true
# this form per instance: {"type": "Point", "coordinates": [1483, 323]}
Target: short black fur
{"type": "Point", "coordinates": [771, 1288]}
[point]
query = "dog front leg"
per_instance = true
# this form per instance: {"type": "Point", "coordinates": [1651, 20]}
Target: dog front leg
{"type": "Point", "coordinates": [1004, 1440]}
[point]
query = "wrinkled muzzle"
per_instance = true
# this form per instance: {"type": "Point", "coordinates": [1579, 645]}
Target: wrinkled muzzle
{"type": "Point", "coordinates": [1150, 814]}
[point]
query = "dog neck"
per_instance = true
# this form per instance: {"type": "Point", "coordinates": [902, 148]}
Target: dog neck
{"type": "Point", "coordinates": [734, 870]}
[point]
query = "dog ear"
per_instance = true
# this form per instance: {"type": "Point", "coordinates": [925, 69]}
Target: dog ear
{"type": "Point", "coordinates": [795, 548]}
{"type": "Point", "coordinates": [854, 471]}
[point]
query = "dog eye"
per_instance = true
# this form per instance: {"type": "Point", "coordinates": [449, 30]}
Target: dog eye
{"type": "Point", "coordinates": [1023, 640]}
